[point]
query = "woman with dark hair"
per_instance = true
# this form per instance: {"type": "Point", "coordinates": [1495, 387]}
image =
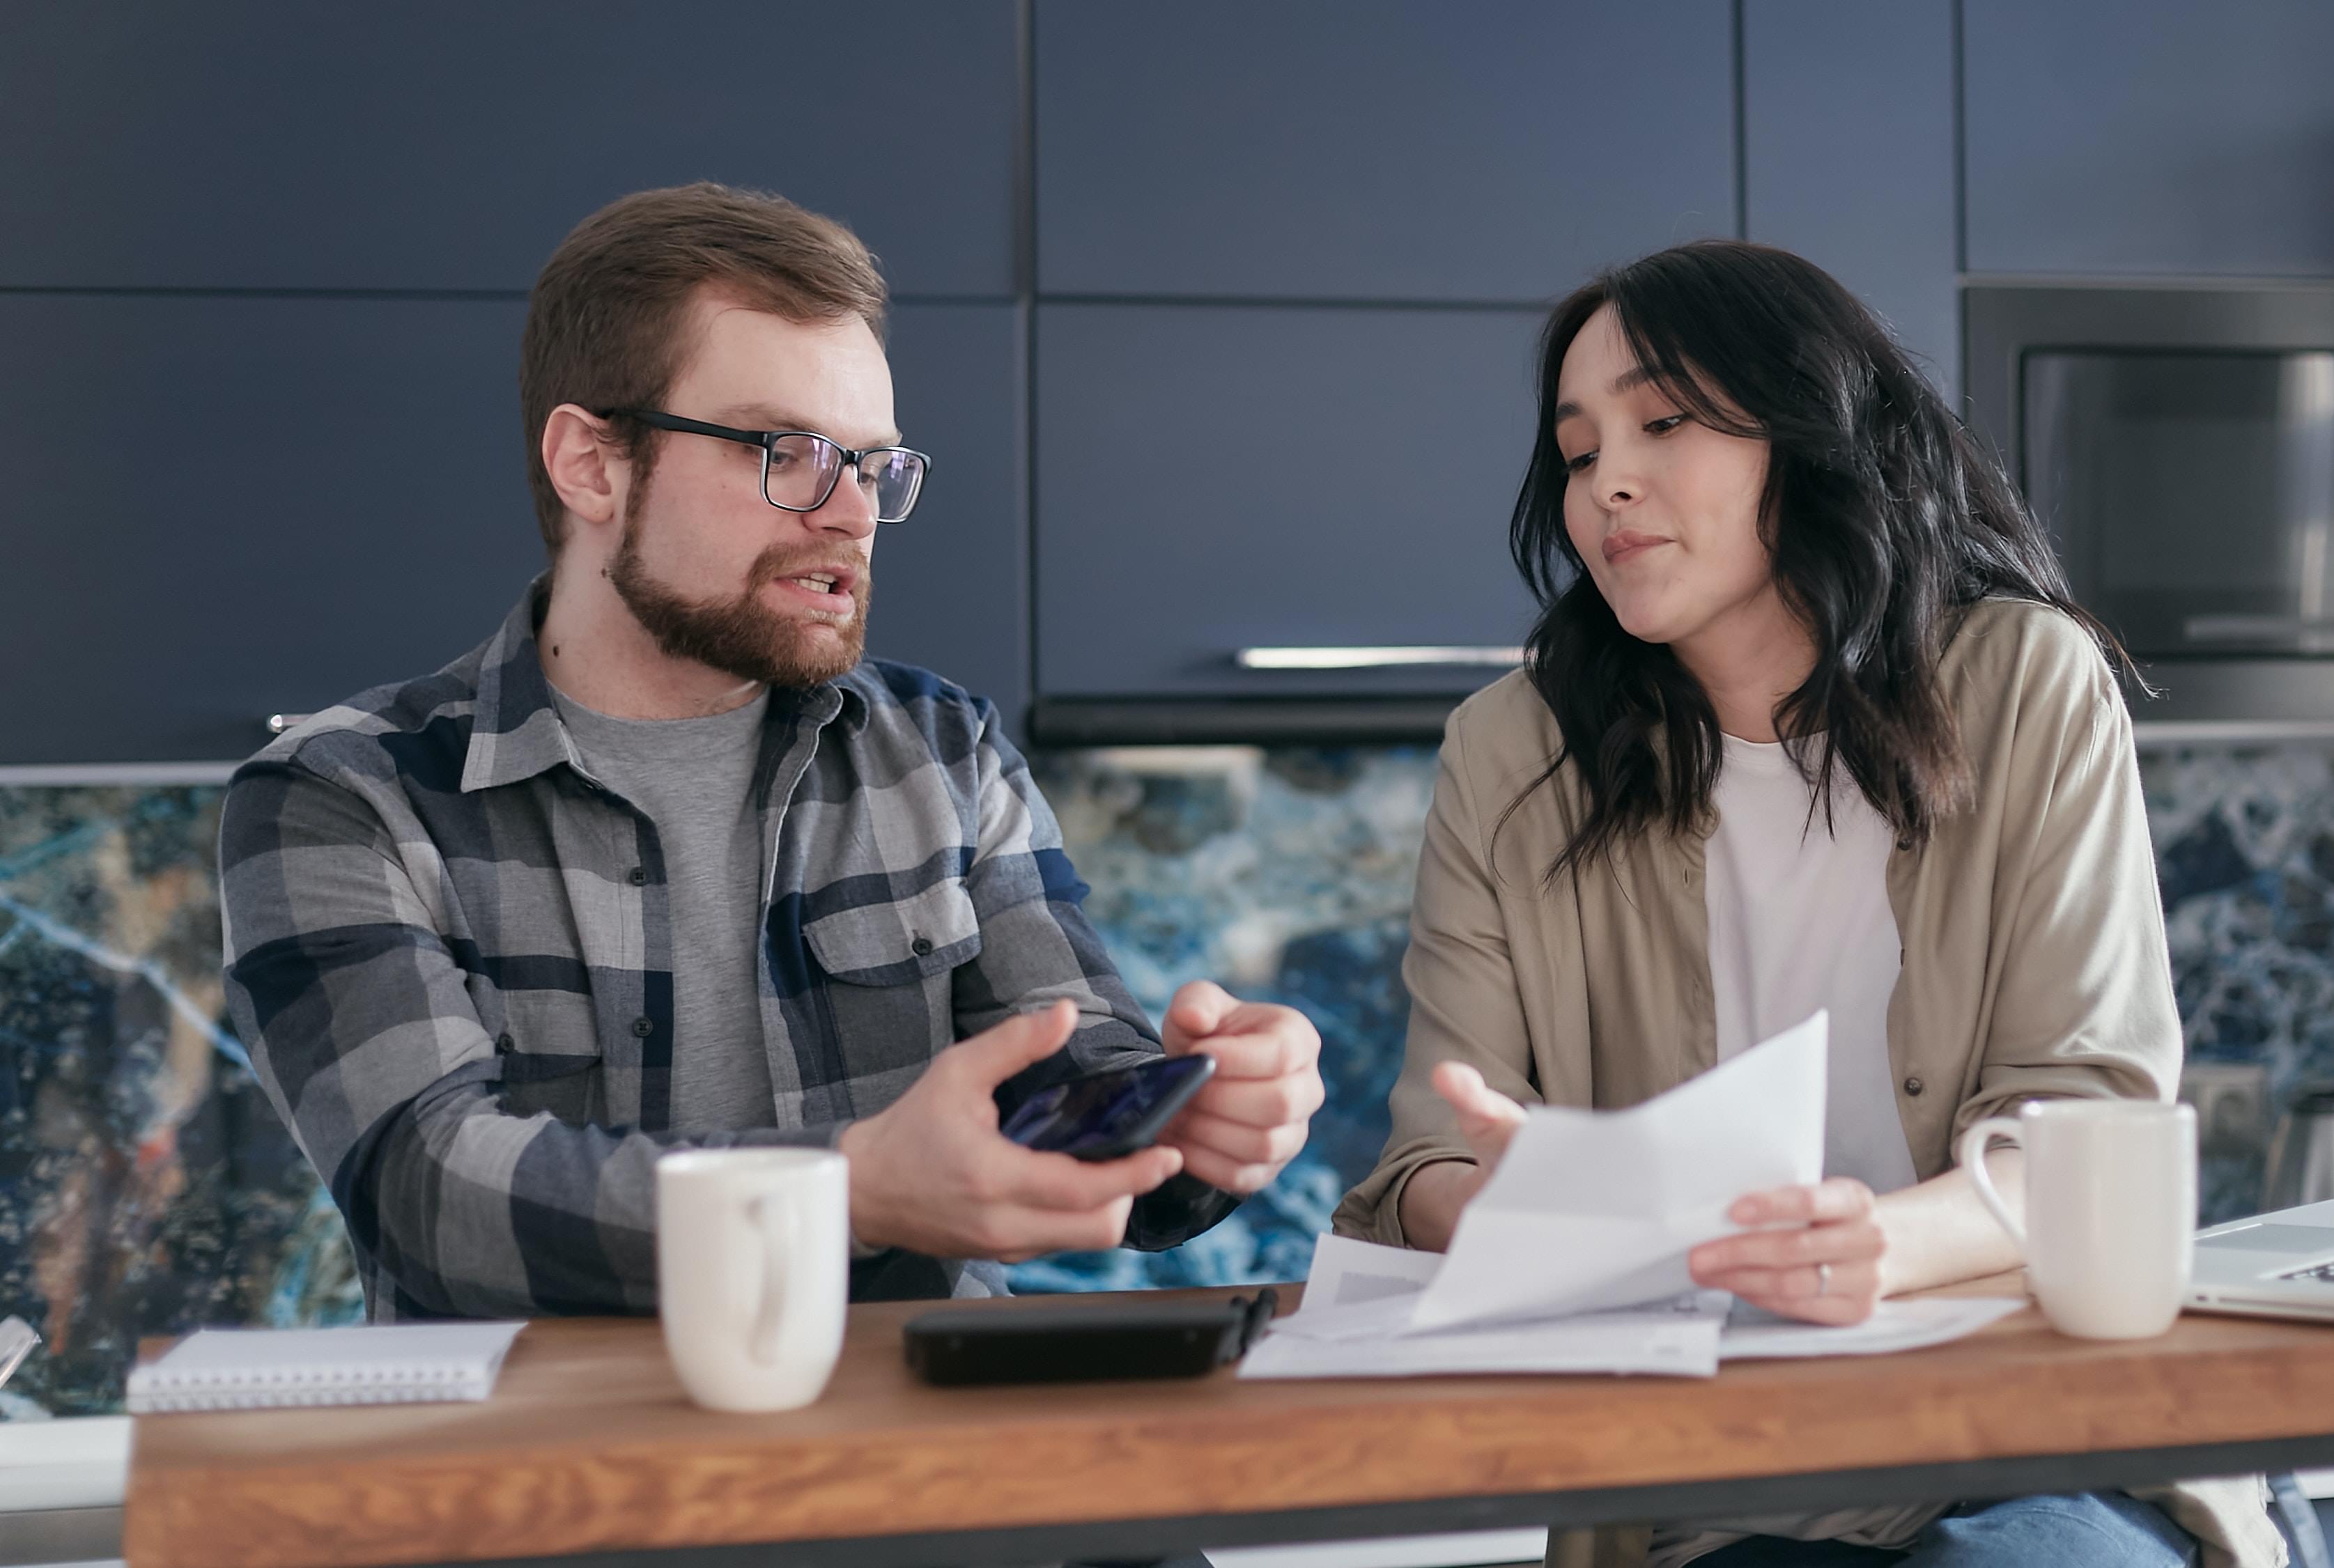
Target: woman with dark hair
{"type": "Point", "coordinates": [1808, 719]}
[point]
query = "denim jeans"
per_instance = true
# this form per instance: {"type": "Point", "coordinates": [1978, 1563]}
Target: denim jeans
{"type": "Point", "coordinates": [2083, 1530]}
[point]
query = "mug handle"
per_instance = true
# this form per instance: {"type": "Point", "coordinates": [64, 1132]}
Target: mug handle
{"type": "Point", "coordinates": [1974, 1143]}
{"type": "Point", "coordinates": [776, 1220]}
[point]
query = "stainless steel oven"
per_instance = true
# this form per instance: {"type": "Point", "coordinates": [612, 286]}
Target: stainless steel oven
{"type": "Point", "coordinates": [2179, 440]}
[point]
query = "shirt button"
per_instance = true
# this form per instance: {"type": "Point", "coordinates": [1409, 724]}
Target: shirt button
{"type": "Point", "coordinates": [638, 876]}
{"type": "Point", "coordinates": [1914, 1086]}
{"type": "Point", "coordinates": [921, 946]}
{"type": "Point", "coordinates": [643, 1028]}
{"type": "Point", "coordinates": [502, 1041]}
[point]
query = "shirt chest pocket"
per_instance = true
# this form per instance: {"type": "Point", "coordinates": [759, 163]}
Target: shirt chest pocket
{"type": "Point", "coordinates": [888, 991]}
{"type": "Point", "coordinates": [900, 942]}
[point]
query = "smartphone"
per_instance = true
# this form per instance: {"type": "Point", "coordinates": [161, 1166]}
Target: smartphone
{"type": "Point", "coordinates": [1114, 1113]}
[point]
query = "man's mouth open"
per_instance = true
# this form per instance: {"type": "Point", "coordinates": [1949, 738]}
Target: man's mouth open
{"type": "Point", "coordinates": [824, 588]}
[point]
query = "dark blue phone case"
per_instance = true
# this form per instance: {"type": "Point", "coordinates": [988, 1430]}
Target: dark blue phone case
{"type": "Point", "coordinates": [1111, 1113]}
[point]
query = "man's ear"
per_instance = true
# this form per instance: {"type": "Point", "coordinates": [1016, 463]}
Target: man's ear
{"type": "Point", "coordinates": [584, 465]}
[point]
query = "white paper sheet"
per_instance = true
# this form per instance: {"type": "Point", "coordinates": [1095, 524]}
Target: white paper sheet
{"type": "Point", "coordinates": [1349, 1273]}
{"type": "Point", "coordinates": [1893, 1325]}
{"type": "Point", "coordinates": [1674, 1344]}
{"type": "Point", "coordinates": [1354, 1323]}
{"type": "Point", "coordinates": [1359, 1290]}
{"type": "Point", "coordinates": [1598, 1209]}
{"type": "Point", "coordinates": [1572, 1258]}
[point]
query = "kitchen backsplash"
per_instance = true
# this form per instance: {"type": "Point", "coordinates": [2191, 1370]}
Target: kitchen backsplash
{"type": "Point", "coordinates": [146, 1187]}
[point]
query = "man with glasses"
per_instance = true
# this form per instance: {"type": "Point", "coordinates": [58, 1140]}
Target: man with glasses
{"type": "Point", "coordinates": [665, 863]}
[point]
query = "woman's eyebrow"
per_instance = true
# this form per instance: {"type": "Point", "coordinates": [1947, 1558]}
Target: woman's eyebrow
{"type": "Point", "coordinates": [1628, 380]}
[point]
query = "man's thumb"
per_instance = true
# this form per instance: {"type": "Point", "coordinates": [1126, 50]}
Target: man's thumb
{"type": "Point", "coordinates": [1199, 1007]}
{"type": "Point", "coordinates": [1021, 1040]}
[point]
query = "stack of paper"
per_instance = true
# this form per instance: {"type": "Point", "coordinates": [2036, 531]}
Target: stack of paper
{"type": "Point", "coordinates": [1572, 1258]}
{"type": "Point", "coordinates": [1360, 1301]}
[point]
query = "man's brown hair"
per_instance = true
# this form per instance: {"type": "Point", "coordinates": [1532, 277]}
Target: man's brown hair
{"type": "Point", "coordinates": [603, 322]}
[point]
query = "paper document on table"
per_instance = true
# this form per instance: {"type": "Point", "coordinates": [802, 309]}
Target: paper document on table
{"type": "Point", "coordinates": [1595, 1210]}
{"type": "Point", "coordinates": [1572, 1258]}
{"type": "Point", "coordinates": [1893, 1325]}
{"type": "Point", "coordinates": [1359, 1290]}
{"type": "Point", "coordinates": [1357, 1304]}
{"type": "Point", "coordinates": [1354, 1323]}
{"type": "Point", "coordinates": [1681, 1342]}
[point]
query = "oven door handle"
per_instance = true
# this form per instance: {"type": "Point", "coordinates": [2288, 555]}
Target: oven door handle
{"type": "Point", "coordinates": [2286, 633]}
{"type": "Point", "coordinates": [1378, 656]}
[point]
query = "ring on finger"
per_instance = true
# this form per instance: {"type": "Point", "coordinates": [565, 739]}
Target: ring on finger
{"type": "Point", "coordinates": [1823, 1279]}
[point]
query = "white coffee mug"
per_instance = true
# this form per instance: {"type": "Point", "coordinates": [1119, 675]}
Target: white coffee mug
{"type": "Point", "coordinates": [2110, 1210]}
{"type": "Point", "coordinates": [753, 1272]}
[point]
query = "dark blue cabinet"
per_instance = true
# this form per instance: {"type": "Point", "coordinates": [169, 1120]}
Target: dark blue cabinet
{"type": "Point", "coordinates": [1472, 151]}
{"type": "Point", "coordinates": [1211, 479]}
{"type": "Point", "coordinates": [283, 462]}
{"type": "Point", "coordinates": [224, 507]}
{"type": "Point", "coordinates": [444, 144]}
{"type": "Point", "coordinates": [1287, 258]}
{"type": "Point", "coordinates": [2150, 136]}
{"type": "Point", "coordinates": [1847, 113]}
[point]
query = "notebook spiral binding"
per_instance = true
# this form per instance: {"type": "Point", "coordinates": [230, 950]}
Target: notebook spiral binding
{"type": "Point", "coordinates": [240, 1370]}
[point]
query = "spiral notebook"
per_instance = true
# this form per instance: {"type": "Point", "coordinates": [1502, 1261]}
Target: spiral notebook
{"type": "Point", "coordinates": [271, 1369]}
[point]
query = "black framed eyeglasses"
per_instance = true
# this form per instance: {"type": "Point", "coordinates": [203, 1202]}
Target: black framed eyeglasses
{"type": "Point", "coordinates": [800, 468]}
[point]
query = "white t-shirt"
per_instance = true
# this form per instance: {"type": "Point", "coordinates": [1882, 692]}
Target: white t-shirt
{"type": "Point", "coordinates": [1798, 920]}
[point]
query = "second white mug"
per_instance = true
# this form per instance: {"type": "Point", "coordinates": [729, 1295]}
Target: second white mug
{"type": "Point", "coordinates": [2110, 1210]}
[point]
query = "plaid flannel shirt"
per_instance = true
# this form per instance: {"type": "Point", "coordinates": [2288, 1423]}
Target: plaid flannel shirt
{"type": "Point", "coordinates": [450, 951]}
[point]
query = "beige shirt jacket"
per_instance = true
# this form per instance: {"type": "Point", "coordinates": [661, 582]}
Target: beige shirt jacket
{"type": "Point", "coordinates": [2034, 958]}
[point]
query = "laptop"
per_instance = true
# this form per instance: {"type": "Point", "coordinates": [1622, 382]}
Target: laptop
{"type": "Point", "coordinates": [2278, 1265]}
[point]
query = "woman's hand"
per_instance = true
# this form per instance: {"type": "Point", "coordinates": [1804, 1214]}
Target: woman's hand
{"type": "Point", "coordinates": [1433, 1197]}
{"type": "Point", "coordinates": [1488, 1119]}
{"type": "Point", "coordinates": [1825, 1268]}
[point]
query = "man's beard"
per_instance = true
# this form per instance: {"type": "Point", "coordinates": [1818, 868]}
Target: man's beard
{"type": "Point", "coordinates": [742, 636]}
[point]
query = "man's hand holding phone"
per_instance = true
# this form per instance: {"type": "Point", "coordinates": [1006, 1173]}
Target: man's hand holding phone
{"type": "Point", "coordinates": [932, 1173]}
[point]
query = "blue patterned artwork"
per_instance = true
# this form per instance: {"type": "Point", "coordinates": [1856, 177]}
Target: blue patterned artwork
{"type": "Point", "coordinates": [1285, 875]}
{"type": "Point", "coordinates": [146, 1187]}
{"type": "Point", "coordinates": [2244, 853]}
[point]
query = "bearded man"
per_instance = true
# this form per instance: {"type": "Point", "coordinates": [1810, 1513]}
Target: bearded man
{"type": "Point", "coordinates": [665, 863]}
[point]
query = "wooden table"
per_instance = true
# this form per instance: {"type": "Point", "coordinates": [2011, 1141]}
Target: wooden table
{"type": "Point", "coordinates": [590, 1450]}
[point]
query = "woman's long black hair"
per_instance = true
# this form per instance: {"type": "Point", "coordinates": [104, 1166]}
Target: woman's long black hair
{"type": "Point", "coordinates": [1881, 515]}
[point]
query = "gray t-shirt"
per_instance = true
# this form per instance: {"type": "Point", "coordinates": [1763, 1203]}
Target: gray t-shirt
{"type": "Point", "coordinates": [694, 777]}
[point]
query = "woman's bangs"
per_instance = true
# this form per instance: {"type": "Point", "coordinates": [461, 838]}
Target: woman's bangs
{"type": "Point", "coordinates": [1656, 339]}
